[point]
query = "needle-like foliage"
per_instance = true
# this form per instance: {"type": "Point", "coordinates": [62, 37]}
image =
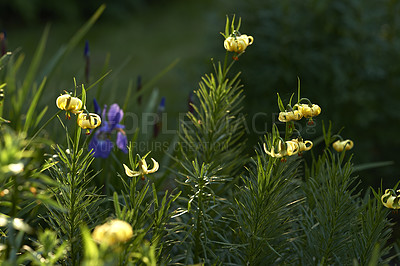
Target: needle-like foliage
{"type": "Point", "coordinates": [211, 145]}
{"type": "Point", "coordinates": [337, 227]}
{"type": "Point", "coordinates": [265, 210]}
{"type": "Point", "coordinates": [75, 194]}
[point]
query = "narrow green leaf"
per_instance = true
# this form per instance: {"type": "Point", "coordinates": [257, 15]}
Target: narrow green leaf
{"type": "Point", "coordinates": [298, 90]}
{"type": "Point", "coordinates": [239, 24]}
{"type": "Point", "coordinates": [280, 104]}
{"type": "Point", "coordinates": [83, 95]}
{"type": "Point", "coordinates": [63, 51]}
{"type": "Point", "coordinates": [4, 59]}
{"type": "Point", "coordinates": [91, 249]}
{"type": "Point", "coordinates": [117, 207]}
{"type": "Point", "coordinates": [290, 101]}
{"type": "Point", "coordinates": [32, 107]}
{"type": "Point", "coordinates": [227, 27]}
{"type": "Point", "coordinates": [33, 68]}
{"type": "Point", "coordinates": [367, 166]}
{"type": "Point", "coordinates": [40, 116]}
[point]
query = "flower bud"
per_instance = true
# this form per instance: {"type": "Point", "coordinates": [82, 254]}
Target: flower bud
{"type": "Point", "coordinates": [339, 145]}
{"type": "Point", "coordinates": [113, 232]}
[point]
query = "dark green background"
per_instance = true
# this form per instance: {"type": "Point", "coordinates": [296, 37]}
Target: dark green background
{"type": "Point", "coordinates": [346, 54]}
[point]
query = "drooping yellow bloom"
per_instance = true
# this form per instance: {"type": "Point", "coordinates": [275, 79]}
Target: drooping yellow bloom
{"type": "Point", "coordinates": [287, 149]}
{"type": "Point", "coordinates": [238, 44]}
{"type": "Point", "coordinates": [340, 145]}
{"type": "Point", "coordinates": [304, 145]}
{"type": "Point", "coordinates": [390, 199]}
{"type": "Point", "coordinates": [113, 232]}
{"type": "Point", "coordinates": [309, 110]}
{"type": "Point", "coordinates": [88, 121]}
{"type": "Point", "coordinates": [290, 115]}
{"type": "Point", "coordinates": [68, 103]}
{"type": "Point", "coordinates": [143, 170]}
{"type": "Point", "coordinates": [290, 148]}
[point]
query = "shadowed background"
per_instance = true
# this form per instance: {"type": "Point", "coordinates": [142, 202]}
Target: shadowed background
{"type": "Point", "coordinates": [345, 53]}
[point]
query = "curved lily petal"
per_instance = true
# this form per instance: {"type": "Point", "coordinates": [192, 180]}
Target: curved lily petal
{"type": "Point", "coordinates": [131, 173]}
{"type": "Point", "coordinates": [155, 167]}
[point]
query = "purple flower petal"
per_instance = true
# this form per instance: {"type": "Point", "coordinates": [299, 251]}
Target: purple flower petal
{"type": "Point", "coordinates": [100, 148]}
{"type": "Point", "coordinates": [161, 107]}
{"type": "Point", "coordinates": [86, 51]}
{"type": "Point", "coordinates": [114, 115]}
{"type": "Point", "coordinates": [122, 142]}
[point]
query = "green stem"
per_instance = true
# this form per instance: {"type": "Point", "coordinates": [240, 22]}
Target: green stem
{"type": "Point", "coordinates": [72, 213]}
{"type": "Point", "coordinates": [199, 214]}
{"type": "Point", "coordinates": [225, 63]}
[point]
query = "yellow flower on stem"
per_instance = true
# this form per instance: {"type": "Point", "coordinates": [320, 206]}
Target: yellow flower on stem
{"type": "Point", "coordinates": [290, 116]}
{"type": "Point", "coordinates": [390, 199]}
{"type": "Point", "coordinates": [292, 147]}
{"type": "Point", "coordinates": [341, 145]}
{"type": "Point", "coordinates": [88, 121]}
{"type": "Point", "coordinates": [287, 149]}
{"type": "Point", "coordinates": [113, 232]}
{"type": "Point", "coordinates": [70, 104]}
{"type": "Point", "coordinates": [303, 145]}
{"type": "Point", "coordinates": [309, 110]}
{"type": "Point", "coordinates": [238, 44]}
{"type": "Point", "coordinates": [143, 169]}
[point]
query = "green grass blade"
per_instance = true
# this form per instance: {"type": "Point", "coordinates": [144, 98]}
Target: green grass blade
{"type": "Point", "coordinates": [32, 107]}
{"type": "Point", "coordinates": [366, 166]}
{"type": "Point", "coordinates": [40, 116]}
{"type": "Point", "coordinates": [33, 68]}
{"type": "Point", "coordinates": [63, 51]}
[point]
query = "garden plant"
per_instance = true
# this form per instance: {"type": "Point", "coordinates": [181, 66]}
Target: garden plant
{"type": "Point", "coordinates": [94, 197]}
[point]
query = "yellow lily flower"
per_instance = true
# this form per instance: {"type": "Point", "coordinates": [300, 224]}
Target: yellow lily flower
{"type": "Point", "coordinates": [289, 116]}
{"type": "Point", "coordinates": [304, 145]}
{"type": "Point", "coordinates": [388, 199]}
{"type": "Point", "coordinates": [280, 152]}
{"type": "Point", "coordinates": [68, 103]}
{"type": "Point", "coordinates": [143, 170]}
{"type": "Point", "coordinates": [88, 121]}
{"type": "Point", "coordinates": [238, 44]}
{"type": "Point", "coordinates": [292, 148]}
{"type": "Point", "coordinates": [113, 232]}
{"type": "Point", "coordinates": [308, 110]}
{"type": "Point", "coordinates": [340, 145]}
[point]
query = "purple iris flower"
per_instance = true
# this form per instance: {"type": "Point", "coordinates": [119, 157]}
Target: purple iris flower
{"type": "Point", "coordinates": [101, 144]}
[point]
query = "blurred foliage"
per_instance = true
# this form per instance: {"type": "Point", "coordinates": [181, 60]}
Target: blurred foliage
{"type": "Point", "coordinates": [37, 11]}
{"type": "Point", "coordinates": [344, 52]}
